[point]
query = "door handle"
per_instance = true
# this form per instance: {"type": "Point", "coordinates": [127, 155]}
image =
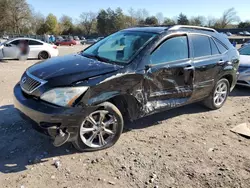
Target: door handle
{"type": "Point", "coordinates": [221, 62]}
{"type": "Point", "coordinates": [189, 68]}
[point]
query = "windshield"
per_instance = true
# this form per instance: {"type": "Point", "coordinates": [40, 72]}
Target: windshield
{"type": "Point", "coordinates": [119, 47]}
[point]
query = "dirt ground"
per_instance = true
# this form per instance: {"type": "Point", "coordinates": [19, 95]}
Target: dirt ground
{"type": "Point", "coordinates": [185, 147]}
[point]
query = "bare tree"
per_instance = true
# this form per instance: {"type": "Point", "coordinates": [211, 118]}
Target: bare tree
{"type": "Point", "coordinates": [197, 21]}
{"type": "Point", "coordinates": [19, 14]}
{"type": "Point", "coordinates": [87, 19]}
{"type": "Point", "coordinates": [211, 21]}
{"type": "Point", "coordinates": [229, 17]}
{"type": "Point", "coordinates": [141, 14]}
{"type": "Point", "coordinates": [160, 17]}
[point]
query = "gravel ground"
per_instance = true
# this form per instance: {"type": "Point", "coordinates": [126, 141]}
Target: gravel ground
{"type": "Point", "coordinates": [185, 147]}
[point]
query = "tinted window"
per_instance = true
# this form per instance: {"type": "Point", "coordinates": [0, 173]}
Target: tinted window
{"type": "Point", "coordinates": [201, 45]}
{"type": "Point", "coordinates": [245, 50]}
{"type": "Point", "coordinates": [214, 47]}
{"type": "Point", "coordinates": [15, 42]}
{"type": "Point", "coordinates": [222, 48]}
{"type": "Point", "coordinates": [171, 50]}
{"type": "Point", "coordinates": [33, 42]}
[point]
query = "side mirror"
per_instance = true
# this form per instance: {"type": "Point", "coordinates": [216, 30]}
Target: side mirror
{"type": "Point", "coordinates": [147, 67]}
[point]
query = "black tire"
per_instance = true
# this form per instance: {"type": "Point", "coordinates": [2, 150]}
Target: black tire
{"type": "Point", "coordinates": [112, 109]}
{"type": "Point", "coordinates": [43, 55]}
{"type": "Point", "coordinates": [210, 101]}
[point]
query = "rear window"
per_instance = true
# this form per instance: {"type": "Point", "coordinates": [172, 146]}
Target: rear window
{"type": "Point", "coordinates": [201, 45]}
{"type": "Point", "coordinates": [214, 47]}
{"type": "Point", "coordinates": [33, 42]}
{"type": "Point", "coordinates": [221, 47]}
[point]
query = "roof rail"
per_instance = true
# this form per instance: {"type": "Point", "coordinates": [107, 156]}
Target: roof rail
{"type": "Point", "coordinates": [176, 27]}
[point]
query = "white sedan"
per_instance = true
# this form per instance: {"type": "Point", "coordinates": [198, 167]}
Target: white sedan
{"type": "Point", "coordinates": [36, 49]}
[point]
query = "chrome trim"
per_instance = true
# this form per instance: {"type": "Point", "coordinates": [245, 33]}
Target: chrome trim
{"type": "Point", "coordinates": [42, 82]}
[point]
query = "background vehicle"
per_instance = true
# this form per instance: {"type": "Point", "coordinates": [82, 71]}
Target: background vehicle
{"type": "Point", "coordinates": [244, 68]}
{"type": "Point", "coordinates": [240, 33]}
{"type": "Point", "coordinates": [229, 34]}
{"type": "Point", "coordinates": [130, 74]}
{"type": "Point", "coordinates": [246, 33]}
{"type": "Point", "coordinates": [246, 43]}
{"type": "Point", "coordinates": [66, 42]}
{"type": "Point", "coordinates": [76, 38]}
{"type": "Point", "coordinates": [91, 41]}
{"type": "Point", "coordinates": [37, 49]}
{"type": "Point", "coordinates": [6, 37]}
{"type": "Point", "coordinates": [59, 38]}
{"type": "Point", "coordinates": [82, 38]}
{"type": "Point", "coordinates": [99, 38]}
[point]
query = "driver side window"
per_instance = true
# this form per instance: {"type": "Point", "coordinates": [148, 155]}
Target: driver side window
{"type": "Point", "coordinates": [172, 49]}
{"type": "Point", "coordinates": [15, 42]}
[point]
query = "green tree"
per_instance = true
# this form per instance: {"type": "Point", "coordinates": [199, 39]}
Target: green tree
{"type": "Point", "coordinates": [151, 20]}
{"type": "Point", "coordinates": [182, 19]}
{"type": "Point", "coordinates": [244, 24]}
{"type": "Point", "coordinates": [66, 24]}
{"type": "Point", "coordinates": [102, 22]}
{"type": "Point", "coordinates": [168, 21]}
{"type": "Point", "coordinates": [51, 24]}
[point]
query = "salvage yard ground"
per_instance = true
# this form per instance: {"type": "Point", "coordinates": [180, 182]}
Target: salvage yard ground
{"type": "Point", "coordinates": [184, 147]}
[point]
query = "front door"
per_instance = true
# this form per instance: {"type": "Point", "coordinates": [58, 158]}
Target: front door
{"type": "Point", "coordinates": [11, 50]}
{"type": "Point", "coordinates": [169, 76]}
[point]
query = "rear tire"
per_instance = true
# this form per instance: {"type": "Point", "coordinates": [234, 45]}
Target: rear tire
{"type": "Point", "coordinates": [104, 133]}
{"type": "Point", "coordinates": [219, 95]}
{"type": "Point", "coordinates": [43, 55]}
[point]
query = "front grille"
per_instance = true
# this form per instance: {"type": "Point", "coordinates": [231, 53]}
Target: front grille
{"type": "Point", "coordinates": [29, 83]}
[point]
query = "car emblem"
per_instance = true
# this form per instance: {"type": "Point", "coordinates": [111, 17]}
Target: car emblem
{"type": "Point", "coordinates": [23, 80]}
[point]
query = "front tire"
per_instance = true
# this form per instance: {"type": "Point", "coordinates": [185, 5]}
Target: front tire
{"type": "Point", "coordinates": [101, 129]}
{"type": "Point", "coordinates": [219, 95]}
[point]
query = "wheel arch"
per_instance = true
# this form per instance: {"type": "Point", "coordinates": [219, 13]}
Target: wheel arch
{"type": "Point", "coordinates": [128, 105]}
{"type": "Point", "coordinates": [44, 51]}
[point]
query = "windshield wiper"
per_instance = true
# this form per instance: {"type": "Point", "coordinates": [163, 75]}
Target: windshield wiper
{"type": "Point", "coordinates": [99, 58]}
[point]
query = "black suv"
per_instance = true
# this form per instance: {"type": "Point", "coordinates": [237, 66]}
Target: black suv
{"type": "Point", "coordinates": [84, 98]}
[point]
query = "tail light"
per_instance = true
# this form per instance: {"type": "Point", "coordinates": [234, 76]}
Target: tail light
{"type": "Point", "coordinates": [55, 47]}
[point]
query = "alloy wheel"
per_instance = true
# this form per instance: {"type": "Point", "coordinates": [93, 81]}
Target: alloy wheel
{"type": "Point", "coordinates": [98, 129]}
{"type": "Point", "coordinates": [220, 94]}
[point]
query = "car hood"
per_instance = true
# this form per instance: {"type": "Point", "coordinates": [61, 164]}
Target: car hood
{"type": "Point", "coordinates": [69, 69]}
{"type": "Point", "coordinates": [245, 60]}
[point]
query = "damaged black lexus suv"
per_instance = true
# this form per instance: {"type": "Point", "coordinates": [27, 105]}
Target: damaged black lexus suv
{"type": "Point", "coordinates": [84, 98]}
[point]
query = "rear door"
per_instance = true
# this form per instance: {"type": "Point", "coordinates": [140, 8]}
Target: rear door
{"type": "Point", "coordinates": [169, 78]}
{"type": "Point", "coordinates": [35, 47]}
{"type": "Point", "coordinates": [208, 62]}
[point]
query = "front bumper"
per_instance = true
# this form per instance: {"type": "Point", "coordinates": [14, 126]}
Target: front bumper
{"type": "Point", "coordinates": [244, 79]}
{"type": "Point", "coordinates": [47, 118]}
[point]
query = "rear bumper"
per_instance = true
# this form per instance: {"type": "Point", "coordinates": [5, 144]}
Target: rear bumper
{"type": "Point", "coordinates": [48, 118]}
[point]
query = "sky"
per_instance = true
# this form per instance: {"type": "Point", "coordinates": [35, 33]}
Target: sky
{"type": "Point", "coordinates": [169, 8]}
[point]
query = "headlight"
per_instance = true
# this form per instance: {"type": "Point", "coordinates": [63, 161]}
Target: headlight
{"type": "Point", "coordinates": [63, 96]}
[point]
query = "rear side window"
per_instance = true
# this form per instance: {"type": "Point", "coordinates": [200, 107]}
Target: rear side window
{"type": "Point", "coordinates": [33, 42]}
{"type": "Point", "coordinates": [221, 47]}
{"type": "Point", "coordinates": [214, 48]}
{"type": "Point", "coordinates": [172, 49]}
{"type": "Point", "coordinates": [201, 45]}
